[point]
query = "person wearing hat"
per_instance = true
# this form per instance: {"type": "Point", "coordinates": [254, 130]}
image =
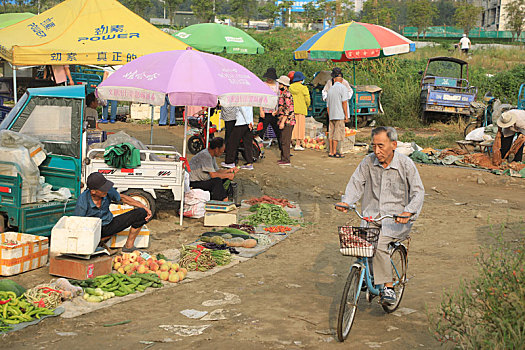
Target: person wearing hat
{"type": "Point", "coordinates": [511, 124]}
{"type": "Point", "coordinates": [464, 44]}
{"type": "Point", "coordinates": [337, 72]}
{"type": "Point", "coordinates": [286, 117]}
{"type": "Point", "coordinates": [301, 101]}
{"type": "Point", "coordinates": [95, 201]}
{"type": "Point", "coordinates": [337, 108]}
{"type": "Point", "coordinates": [268, 116]}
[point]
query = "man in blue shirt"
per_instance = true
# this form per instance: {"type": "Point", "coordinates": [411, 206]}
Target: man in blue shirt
{"type": "Point", "coordinates": [95, 201]}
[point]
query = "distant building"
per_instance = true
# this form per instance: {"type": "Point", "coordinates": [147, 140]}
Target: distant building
{"type": "Point", "coordinates": [184, 18]}
{"type": "Point", "coordinates": [494, 14]}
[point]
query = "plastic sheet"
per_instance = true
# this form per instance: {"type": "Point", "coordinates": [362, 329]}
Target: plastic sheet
{"type": "Point", "coordinates": [28, 171]}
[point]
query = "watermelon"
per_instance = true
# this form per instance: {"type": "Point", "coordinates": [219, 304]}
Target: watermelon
{"type": "Point", "coordinates": [11, 286]}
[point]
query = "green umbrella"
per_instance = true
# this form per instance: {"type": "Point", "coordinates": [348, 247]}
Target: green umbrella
{"type": "Point", "coordinates": [216, 38]}
{"type": "Point", "coordinates": [6, 19]}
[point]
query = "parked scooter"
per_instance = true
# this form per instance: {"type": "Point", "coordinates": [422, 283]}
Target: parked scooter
{"type": "Point", "coordinates": [198, 140]}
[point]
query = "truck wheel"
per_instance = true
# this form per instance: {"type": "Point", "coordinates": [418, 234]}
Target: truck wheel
{"type": "Point", "coordinates": [362, 121]}
{"type": "Point", "coordinates": [144, 198]}
{"type": "Point", "coordinates": [195, 145]}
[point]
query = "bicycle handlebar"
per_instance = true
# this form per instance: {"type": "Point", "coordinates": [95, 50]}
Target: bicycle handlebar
{"type": "Point", "coordinates": [369, 218]}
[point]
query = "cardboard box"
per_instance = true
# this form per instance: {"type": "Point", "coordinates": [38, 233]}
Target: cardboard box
{"type": "Point", "coordinates": [220, 219]}
{"type": "Point", "coordinates": [118, 240]}
{"type": "Point", "coordinates": [80, 269]}
{"type": "Point", "coordinates": [30, 252]}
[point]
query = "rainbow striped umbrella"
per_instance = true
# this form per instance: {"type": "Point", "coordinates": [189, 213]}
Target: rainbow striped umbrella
{"type": "Point", "coordinates": [353, 41]}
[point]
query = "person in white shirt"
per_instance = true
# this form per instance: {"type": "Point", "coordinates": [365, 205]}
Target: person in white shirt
{"type": "Point", "coordinates": [464, 44]}
{"type": "Point", "coordinates": [242, 130]}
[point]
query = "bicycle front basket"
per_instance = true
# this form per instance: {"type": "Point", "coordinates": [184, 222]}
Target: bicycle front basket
{"type": "Point", "coordinates": [358, 241]}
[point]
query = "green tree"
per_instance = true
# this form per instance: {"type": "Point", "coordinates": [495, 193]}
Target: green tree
{"type": "Point", "coordinates": [284, 9]}
{"type": "Point", "coordinates": [445, 13]}
{"type": "Point", "coordinates": [243, 10]}
{"type": "Point", "coordinates": [268, 11]}
{"type": "Point", "coordinates": [515, 17]}
{"type": "Point", "coordinates": [137, 6]}
{"type": "Point", "coordinates": [466, 15]}
{"type": "Point", "coordinates": [312, 13]}
{"type": "Point", "coordinates": [171, 7]}
{"type": "Point", "coordinates": [203, 9]}
{"type": "Point", "coordinates": [420, 14]}
{"type": "Point", "coordinates": [378, 12]}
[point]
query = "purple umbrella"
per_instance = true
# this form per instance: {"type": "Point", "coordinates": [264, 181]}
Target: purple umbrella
{"type": "Point", "coordinates": [190, 78]}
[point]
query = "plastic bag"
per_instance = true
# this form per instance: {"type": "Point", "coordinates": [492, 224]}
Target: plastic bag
{"type": "Point", "coordinates": [195, 203]}
{"type": "Point", "coordinates": [28, 171]}
{"type": "Point", "coordinates": [12, 139]}
{"type": "Point", "coordinates": [47, 194]}
{"type": "Point", "coordinates": [476, 134]}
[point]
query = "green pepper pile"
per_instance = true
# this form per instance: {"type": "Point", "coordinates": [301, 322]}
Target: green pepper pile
{"type": "Point", "coordinates": [15, 310]}
{"type": "Point", "coordinates": [120, 284]}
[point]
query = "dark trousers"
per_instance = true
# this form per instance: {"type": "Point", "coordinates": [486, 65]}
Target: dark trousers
{"type": "Point", "coordinates": [135, 218]}
{"type": "Point", "coordinates": [506, 144]}
{"type": "Point", "coordinates": [286, 140]}
{"type": "Point", "coordinates": [214, 185]}
{"type": "Point", "coordinates": [239, 132]}
{"type": "Point", "coordinates": [272, 120]}
{"type": "Point", "coordinates": [228, 127]}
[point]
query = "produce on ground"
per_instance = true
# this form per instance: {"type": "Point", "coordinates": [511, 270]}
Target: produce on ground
{"type": "Point", "coordinates": [44, 296]}
{"type": "Point", "coordinates": [97, 295]}
{"type": "Point", "coordinates": [118, 285]}
{"type": "Point", "coordinates": [263, 239]}
{"type": "Point", "coordinates": [277, 229]}
{"type": "Point", "coordinates": [269, 214]}
{"type": "Point", "coordinates": [315, 142]}
{"type": "Point", "coordinates": [196, 258]}
{"type": "Point", "coordinates": [14, 310]}
{"type": "Point", "coordinates": [271, 200]}
{"type": "Point", "coordinates": [130, 263]}
{"type": "Point", "coordinates": [221, 257]}
{"type": "Point", "coordinates": [246, 228]}
{"type": "Point", "coordinates": [7, 285]}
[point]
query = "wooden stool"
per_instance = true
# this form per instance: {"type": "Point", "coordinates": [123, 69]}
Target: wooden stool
{"type": "Point", "coordinates": [463, 144]}
{"type": "Point", "coordinates": [486, 147]}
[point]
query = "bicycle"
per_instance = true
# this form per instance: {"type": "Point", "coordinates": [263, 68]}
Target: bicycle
{"type": "Point", "coordinates": [361, 242]}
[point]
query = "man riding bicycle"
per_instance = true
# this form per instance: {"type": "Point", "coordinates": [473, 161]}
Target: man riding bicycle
{"type": "Point", "coordinates": [388, 183]}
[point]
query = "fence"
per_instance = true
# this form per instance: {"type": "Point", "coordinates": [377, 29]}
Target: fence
{"type": "Point", "coordinates": [453, 32]}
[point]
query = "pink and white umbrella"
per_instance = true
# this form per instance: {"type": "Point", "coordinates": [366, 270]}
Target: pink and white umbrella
{"type": "Point", "coordinates": [189, 78]}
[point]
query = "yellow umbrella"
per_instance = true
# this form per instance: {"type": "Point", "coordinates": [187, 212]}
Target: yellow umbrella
{"type": "Point", "coordinates": [97, 32]}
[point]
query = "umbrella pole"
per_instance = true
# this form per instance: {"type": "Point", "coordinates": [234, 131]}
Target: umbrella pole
{"type": "Point", "coordinates": [208, 129]}
{"type": "Point", "coordinates": [151, 129]}
{"type": "Point", "coordinates": [183, 171]}
{"type": "Point", "coordinates": [15, 95]}
{"type": "Point", "coordinates": [355, 99]}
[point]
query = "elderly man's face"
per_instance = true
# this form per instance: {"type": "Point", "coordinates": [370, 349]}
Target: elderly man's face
{"type": "Point", "coordinates": [383, 147]}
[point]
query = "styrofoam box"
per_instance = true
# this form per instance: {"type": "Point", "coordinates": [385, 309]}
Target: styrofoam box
{"type": "Point", "coordinates": [76, 235]}
{"type": "Point", "coordinates": [118, 240]}
{"type": "Point", "coordinates": [29, 253]}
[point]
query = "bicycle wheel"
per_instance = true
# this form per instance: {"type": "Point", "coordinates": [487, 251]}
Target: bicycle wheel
{"type": "Point", "coordinates": [398, 258]}
{"type": "Point", "coordinates": [348, 307]}
{"type": "Point", "coordinates": [469, 128]}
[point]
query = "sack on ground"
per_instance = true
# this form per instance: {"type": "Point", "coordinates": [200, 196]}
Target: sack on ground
{"type": "Point", "coordinates": [195, 203]}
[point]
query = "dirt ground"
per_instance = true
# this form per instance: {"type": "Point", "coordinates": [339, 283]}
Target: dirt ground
{"type": "Point", "coordinates": [289, 295]}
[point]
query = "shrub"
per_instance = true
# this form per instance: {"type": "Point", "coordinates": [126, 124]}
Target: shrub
{"type": "Point", "coordinates": [487, 312]}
